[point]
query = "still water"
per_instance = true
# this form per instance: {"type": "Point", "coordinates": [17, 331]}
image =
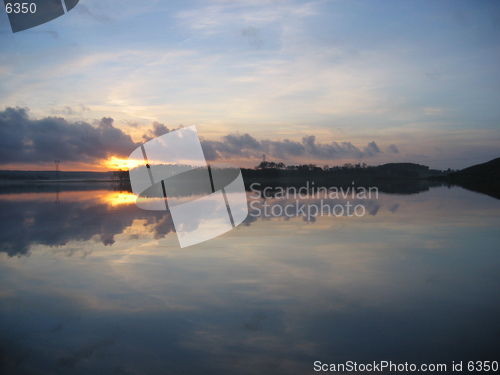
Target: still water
{"type": "Point", "coordinates": [90, 284]}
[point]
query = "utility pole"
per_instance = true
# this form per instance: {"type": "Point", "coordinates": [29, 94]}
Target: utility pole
{"type": "Point", "coordinates": [57, 168]}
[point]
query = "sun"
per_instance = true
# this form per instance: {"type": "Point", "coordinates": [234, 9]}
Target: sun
{"type": "Point", "coordinates": [126, 164]}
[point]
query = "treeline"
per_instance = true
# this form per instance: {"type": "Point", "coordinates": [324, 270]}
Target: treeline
{"type": "Point", "coordinates": [120, 175]}
{"type": "Point", "coordinates": [390, 170]}
{"type": "Point", "coordinates": [306, 167]}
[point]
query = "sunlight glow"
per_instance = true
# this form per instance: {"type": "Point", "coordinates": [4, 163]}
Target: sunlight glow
{"type": "Point", "coordinates": [119, 198]}
{"type": "Point", "coordinates": [117, 163]}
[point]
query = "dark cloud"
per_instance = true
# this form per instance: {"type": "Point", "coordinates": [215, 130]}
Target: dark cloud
{"type": "Point", "coordinates": [23, 139]}
{"type": "Point", "coordinates": [393, 149]}
{"type": "Point", "coordinates": [394, 208]}
{"type": "Point", "coordinates": [325, 207]}
{"type": "Point", "coordinates": [53, 224]}
{"type": "Point", "coordinates": [57, 222]}
{"type": "Point", "coordinates": [26, 140]}
{"type": "Point", "coordinates": [158, 129]}
{"type": "Point", "coordinates": [244, 145]}
{"type": "Point", "coordinates": [372, 149]}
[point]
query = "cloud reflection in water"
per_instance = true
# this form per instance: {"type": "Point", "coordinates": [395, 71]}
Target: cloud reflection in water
{"type": "Point", "coordinates": [417, 281]}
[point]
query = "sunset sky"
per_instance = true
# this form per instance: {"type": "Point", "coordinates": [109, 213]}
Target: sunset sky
{"type": "Point", "coordinates": [323, 81]}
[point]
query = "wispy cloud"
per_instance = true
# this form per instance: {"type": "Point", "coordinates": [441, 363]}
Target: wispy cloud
{"type": "Point", "coordinates": [218, 16]}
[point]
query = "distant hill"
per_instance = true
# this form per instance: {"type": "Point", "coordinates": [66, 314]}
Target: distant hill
{"type": "Point", "coordinates": [482, 178]}
{"type": "Point", "coordinates": [490, 169]}
{"type": "Point", "coordinates": [404, 166]}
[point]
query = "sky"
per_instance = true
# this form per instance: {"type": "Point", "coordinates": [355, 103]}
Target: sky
{"type": "Point", "coordinates": [325, 82]}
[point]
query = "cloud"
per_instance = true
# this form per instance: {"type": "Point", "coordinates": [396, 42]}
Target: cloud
{"type": "Point", "coordinates": [45, 223]}
{"type": "Point", "coordinates": [252, 36]}
{"type": "Point", "coordinates": [25, 140]}
{"type": "Point", "coordinates": [158, 130]}
{"type": "Point", "coordinates": [393, 149]}
{"type": "Point", "coordinates": [394, 207]}
{"type": "Point", "coordinates": [244, 145]}
{"type": "Point", "coordinates": [372, 149]}
{"type": "Point", "coordinates": [70, 111]}
{"type": "Point", "coordinates": [216, 18]}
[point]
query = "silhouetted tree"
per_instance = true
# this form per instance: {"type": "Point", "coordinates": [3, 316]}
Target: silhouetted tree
{"type": "Point", "coordinates": [120, 175]}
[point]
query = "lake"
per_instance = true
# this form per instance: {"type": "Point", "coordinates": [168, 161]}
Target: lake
{"type": "Point", "coordinates": [91, 284]}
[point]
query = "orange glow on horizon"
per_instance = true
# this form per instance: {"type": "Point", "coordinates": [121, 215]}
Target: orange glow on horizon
{"type": "Point", "coordinates": [119, 198]}
{"type": "Point", "coordinates": [114, 163]}
{"type": "Point", "coordinates": [111, 198]}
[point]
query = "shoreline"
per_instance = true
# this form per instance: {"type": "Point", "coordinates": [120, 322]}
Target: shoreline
{"type": "Point", "coordinates": [30, 182]}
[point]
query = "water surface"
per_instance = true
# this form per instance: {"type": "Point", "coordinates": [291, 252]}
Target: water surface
{"type": "Point", "coordinates": [90, 284]}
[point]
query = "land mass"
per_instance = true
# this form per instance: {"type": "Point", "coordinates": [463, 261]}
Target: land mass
{"type": "Point", "coordinates": [397, 178]}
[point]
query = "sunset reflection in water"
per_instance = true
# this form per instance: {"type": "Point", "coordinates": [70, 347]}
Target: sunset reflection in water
{"type": "Point", "coordinates": [92, 284]}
